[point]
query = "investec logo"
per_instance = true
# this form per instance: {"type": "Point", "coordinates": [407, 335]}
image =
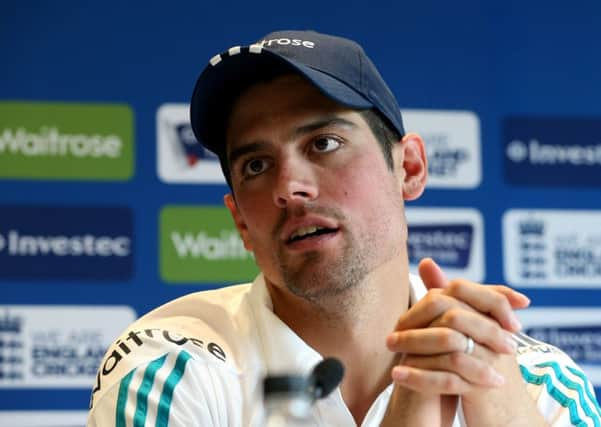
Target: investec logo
{"type": "Point", "coordinates": [537, 153]}
{"type": "Point", "coordinates": [449, 244]}
{"type": "Point", "coordinates": [552, 151]}
{"type": "Point", "coordinates": [66, 242]}
{"type": "Point", "coordinates": [16, 243]}
{"type": "Point", "coordinates": [66, 141]}
{"type": "Point", "coordinates": [452, 237]}
{"type": "Point", "coordinates": [201, 244]}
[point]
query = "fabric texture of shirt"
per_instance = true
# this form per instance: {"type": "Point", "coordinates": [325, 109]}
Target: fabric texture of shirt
{"type": "Point", "coordinates": [199, 360]}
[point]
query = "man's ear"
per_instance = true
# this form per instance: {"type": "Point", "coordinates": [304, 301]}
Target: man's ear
{"type": "Point", "coordinates": [230, 203]}
{"type": "Point", "coordinates": [411, 165]}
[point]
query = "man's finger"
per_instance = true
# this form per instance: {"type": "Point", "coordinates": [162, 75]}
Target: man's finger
{"type": "Point", "coordinates": [431, 274]}
{"type": "Point", "coordinates": [480, 328]}
{"type": "Point", "coordinates": [485, 300]}
{"type": "Point", "coordinates": [428, 341]}
{"type": "Point", "coordinates": [516, 299]}
{"type": "Point", "coordinates": [434, 278]}
{"type": "Point", "coordinates": [471, 369]}
{"type": "Point", "coordinates": [428, 309]}
{"type": "Point", "coordinates": [430, 382]}
{"type": "Point", "coordinates": [448, 334]}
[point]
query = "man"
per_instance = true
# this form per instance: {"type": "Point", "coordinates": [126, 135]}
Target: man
{"type": "Point", "coordinates": [313, 147]}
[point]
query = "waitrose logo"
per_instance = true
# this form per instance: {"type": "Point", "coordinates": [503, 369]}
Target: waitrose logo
{"type": "Point", "coordinates": [51, 142]}
{"type": "Point", "coordinates": [226, 246]}
{"type": "Point", "coordinates": [66, 141]}
{"type": "Point", "coordinates": [201, 244]}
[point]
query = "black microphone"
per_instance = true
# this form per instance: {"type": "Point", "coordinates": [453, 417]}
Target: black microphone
{"type": "Point", "coordinates": [325, 377]}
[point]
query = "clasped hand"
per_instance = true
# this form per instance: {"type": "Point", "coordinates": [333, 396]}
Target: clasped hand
{"type": "Point", "coordinates": [452, 340]}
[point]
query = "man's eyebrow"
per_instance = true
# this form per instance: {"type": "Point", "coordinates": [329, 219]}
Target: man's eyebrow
{"type": "Point", "coordinates": [323, 122]}
{"type": "Point", "coordinates": [236, 153]}
{"type": "Point", "coordinates": [320, 123]}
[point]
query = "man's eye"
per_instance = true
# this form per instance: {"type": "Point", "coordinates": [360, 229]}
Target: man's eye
{"type": "Point", "coordinates": [254, 167]}
{"type": "Point", "coordinates": [325, 144]}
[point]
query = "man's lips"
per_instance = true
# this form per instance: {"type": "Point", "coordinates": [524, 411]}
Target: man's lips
{"type": "Point", "coordinates": [309, 231]}
{"type": "Point", "coordinates": [306, 227]}
{"type": "Point", "coordinates": [312, 241]}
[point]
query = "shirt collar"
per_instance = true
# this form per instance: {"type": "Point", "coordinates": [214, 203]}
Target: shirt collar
{"type": "Point", "coordinates": [283, 349]}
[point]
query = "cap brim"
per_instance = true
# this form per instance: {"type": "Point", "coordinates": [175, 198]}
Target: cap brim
{"type": "Point", "coordinates": [219, 86]}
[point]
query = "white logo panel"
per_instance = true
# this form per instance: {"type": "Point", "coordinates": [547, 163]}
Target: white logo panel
{"type": "Point", "coordinates": [181, 159]}
{"type": "Point", "coordinates": [453, 237]}
{"type": "Point", "coordinates": [56, 346]}
{"type": "Point", "coordinates": [452, 144]}
{"type": "Point", "coordinates": [575, 330]}
{"type": "Point", "coordinates": [43, 418]}
{"type": "Point", "coordinates": [552, 248]}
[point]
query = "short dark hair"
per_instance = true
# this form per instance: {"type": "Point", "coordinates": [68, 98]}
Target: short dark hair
{"type": "Point", "coordinates": [385, 134]}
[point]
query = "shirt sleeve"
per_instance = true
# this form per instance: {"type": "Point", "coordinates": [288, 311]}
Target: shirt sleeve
{"type": "Point", "coordinates": [563, 393]}
{"type": "Point", "coordinates": [174, 390]}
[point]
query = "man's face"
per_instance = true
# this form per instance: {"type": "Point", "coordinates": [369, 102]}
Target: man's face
{"type": "Point", "coordinates": [314, 198]}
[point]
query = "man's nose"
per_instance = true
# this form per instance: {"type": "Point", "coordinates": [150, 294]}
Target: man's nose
{"type": "Point", "coordinates": [296, 183]}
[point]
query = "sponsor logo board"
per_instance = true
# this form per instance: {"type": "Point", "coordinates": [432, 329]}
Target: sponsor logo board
{"type": "Point", "coordinates": [181, 159]}
{"type": "Point", "coordinates": [552, 151]}
{"type": "Point", "coordinates": [453, 237]}
{"type": "Point", "coordinates": [201, 244]}
{"type": "Point", "coordinates": [552, 248]}
{"type": "Point", "coordinates": [56, 346]}
{"type": "Point", "coordinates": [452, 144]}
{"type": "Point", "coordinates": [43, 418]}
{"type": "Point", "coordinates": [575, 330]}
{"type": "Point", "coordinates": [65, 242]}
{"type": "Point", "coordinates": [43, 140]}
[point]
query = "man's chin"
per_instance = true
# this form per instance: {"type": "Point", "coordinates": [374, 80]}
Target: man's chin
{"type": "Point", "coordinates": [316, 275]}
{"type": "Point", "coordinates": [322, 282]}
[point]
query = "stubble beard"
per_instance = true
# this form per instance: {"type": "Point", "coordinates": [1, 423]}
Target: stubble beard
{"type": "Point", "coordinates": [325, 282]}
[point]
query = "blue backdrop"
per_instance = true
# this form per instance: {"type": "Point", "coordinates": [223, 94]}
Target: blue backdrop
{"type": "Point", "coordinates": [497, 59]}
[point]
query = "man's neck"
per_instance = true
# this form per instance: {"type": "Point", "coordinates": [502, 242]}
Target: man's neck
{"type": "Point", "coordinates": [352, 327]}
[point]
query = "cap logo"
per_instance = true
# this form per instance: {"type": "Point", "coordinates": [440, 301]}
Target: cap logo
{"type": "Point", "coordinates": [288, 42]}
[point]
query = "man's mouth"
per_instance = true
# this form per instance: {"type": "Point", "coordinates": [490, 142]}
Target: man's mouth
{"type": "Point", "coordinates": [309, 231]}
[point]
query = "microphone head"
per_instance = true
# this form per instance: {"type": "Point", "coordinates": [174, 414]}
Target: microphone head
{"type": "Point", "coordinates": [326, 376]}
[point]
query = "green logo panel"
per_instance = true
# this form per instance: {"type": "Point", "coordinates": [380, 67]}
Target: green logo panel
{"type": "Point", "coordinates": [66, 141]}
{"type": "Point", "coordinates": [200, 244]}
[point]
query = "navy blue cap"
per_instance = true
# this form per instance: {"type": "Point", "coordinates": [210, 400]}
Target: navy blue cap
{"type": "Point", "coordinates": [338, 67]}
